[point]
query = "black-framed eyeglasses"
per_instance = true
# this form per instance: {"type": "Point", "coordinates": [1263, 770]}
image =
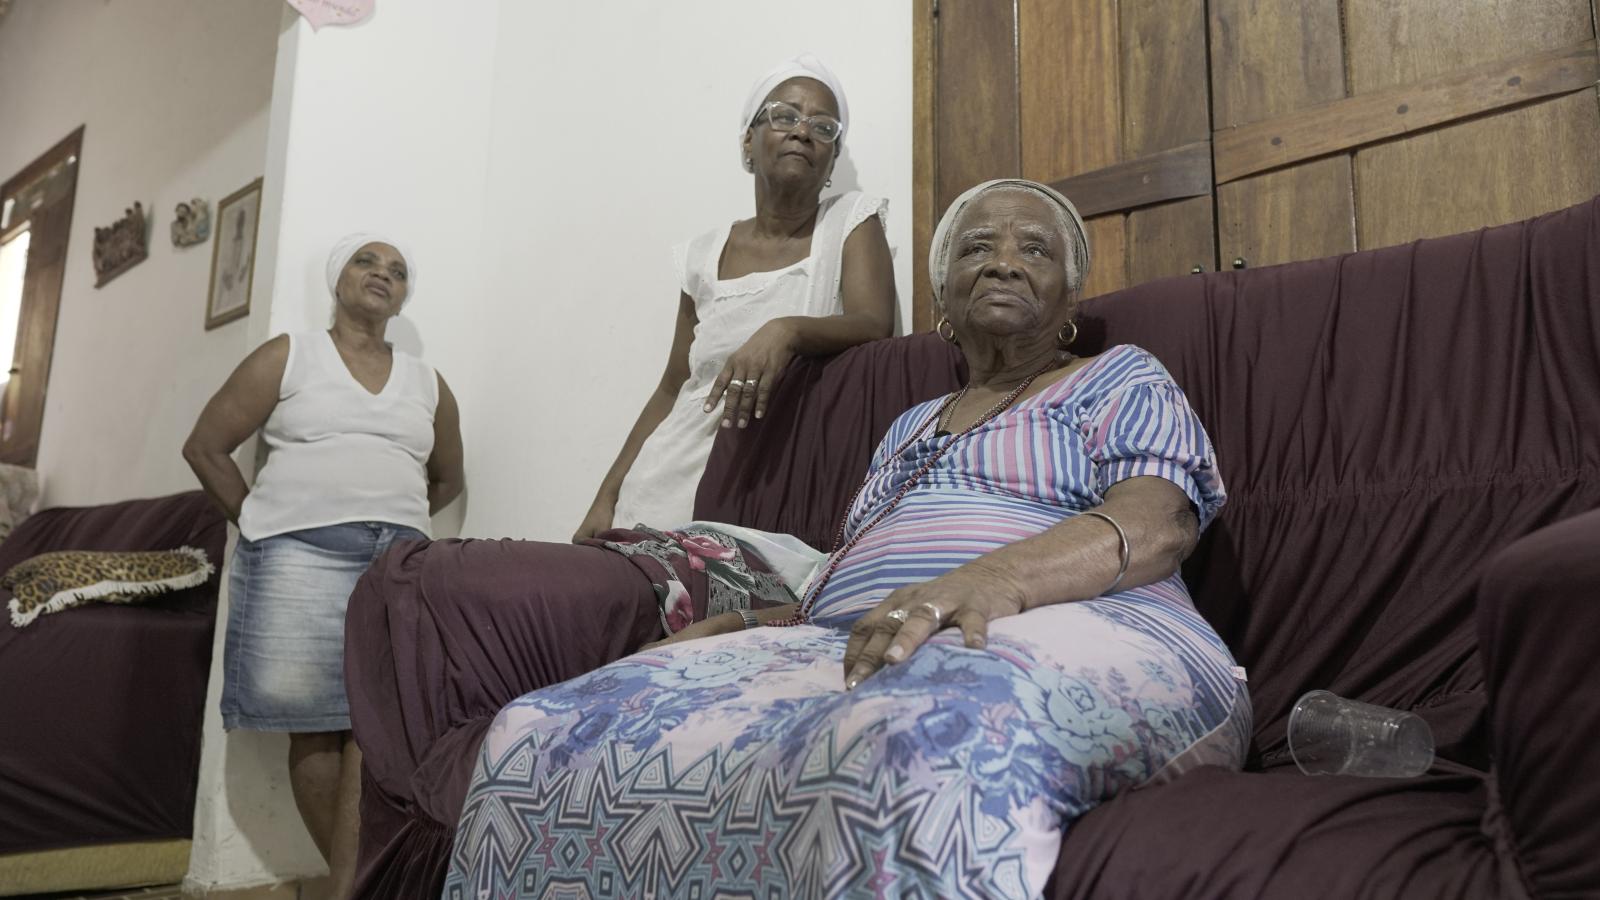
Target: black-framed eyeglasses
{"type": "Point", "coordinates": [783, 117]}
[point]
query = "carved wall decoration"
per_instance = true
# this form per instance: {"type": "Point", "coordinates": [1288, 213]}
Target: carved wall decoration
{"type": "Point", "coordinates": [122, 245]}
{"type": "Point", "coordinates": [191, 223]}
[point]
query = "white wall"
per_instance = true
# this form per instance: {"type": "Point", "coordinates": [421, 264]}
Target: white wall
{"type": "Point", "coordinates": [174, 96]}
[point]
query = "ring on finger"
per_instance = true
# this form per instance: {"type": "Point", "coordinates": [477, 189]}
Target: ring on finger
{"type": "Point", "coordinates": [899, 615]}
{"type": "Point", "coordinates": [935, 611]}
{"type": "Point", "coordinates": [736, 382]}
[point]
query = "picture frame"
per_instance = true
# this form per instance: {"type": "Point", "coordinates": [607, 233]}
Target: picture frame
{"type": "Point", "coordinates": [233, 255]}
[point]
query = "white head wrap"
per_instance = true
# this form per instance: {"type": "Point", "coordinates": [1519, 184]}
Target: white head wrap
{"type": "Point", "coordinates": [805, 65]}
{"type": "Point", "coordinates": [347, 247]}
{"type": "Point", "coordinates": [1067, 218]}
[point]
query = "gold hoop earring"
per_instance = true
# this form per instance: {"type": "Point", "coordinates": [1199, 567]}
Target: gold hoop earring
{"type": "Point", "coordinates": [938, 329]}
{"type": "Point", "coordinates": [1066, 342]}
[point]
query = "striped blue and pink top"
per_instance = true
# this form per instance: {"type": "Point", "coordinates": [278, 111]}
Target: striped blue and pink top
{"type": "Point", "coordinates": [1038, 463]}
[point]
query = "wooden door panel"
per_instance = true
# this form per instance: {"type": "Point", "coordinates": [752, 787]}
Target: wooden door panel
{"type": "Point", "coordinates": [1269, 58]}
{"type": "Point", "coordinates": [924, 162]}
{"type": "Point", "coordinates": [976, 121]}
{"type": "Point", "coordinates": [1390, 43]}
{"type": "Point", "coordinates": [1170, 239]}
{"type": "Point", "coordinates": [1165, 102]}
{"type": "Point", "coordinates": [1302, 212]}
{"type": "Point", "coordinates": [1070, 105]}
{"type": "Point", "coordinates": [1486, 171]}
{"type": "Point", "coordinates": [1108, 248]}
{"type": "Point", "coordinates": [36, 330]}
{"type": "Point", "coordinates": [1370, 117]}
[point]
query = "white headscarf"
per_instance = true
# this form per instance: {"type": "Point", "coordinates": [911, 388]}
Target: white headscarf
{"type": "Point", "coordinates": [1077, 236]}
{"type": "Point", "coordinates": [347, 247]}
{"type": "Point", "coordinates": [805, 65]}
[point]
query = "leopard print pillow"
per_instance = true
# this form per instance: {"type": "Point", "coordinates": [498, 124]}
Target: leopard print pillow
{"type": "Point", "coordinates": [51, 582]}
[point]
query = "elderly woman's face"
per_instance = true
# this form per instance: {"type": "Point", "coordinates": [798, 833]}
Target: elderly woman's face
{"type": "Point", "coordinates": [794, 155]}
{"type": "Point", "coordinates": [375, 280]}
{"type": "Point", "coordinates": [1006, 274]}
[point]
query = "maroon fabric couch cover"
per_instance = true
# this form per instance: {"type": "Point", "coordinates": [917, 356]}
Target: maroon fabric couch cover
{"type": "Point", "coordinates": [101, 706]}
{"type": "Point", "coordinates": [1386, 423]}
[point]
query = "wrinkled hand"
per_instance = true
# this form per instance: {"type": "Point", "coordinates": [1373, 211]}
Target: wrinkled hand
{"type": "Point", "coordinates": [968, 597]}
{"type": "Point", "coordinates": [747, 377]}
{"type": "Point", "coordinates": [598, 519]}
{"type": "Point", "coordinates": [723, 624]}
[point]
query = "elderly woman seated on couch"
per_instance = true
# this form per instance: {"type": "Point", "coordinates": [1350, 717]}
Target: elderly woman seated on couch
{"type": "Point", "coordinates": [1000, 641]}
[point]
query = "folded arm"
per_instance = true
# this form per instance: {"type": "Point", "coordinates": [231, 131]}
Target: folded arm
{"type": "Point", "coordinates": [238, 409]}
{"type": "Point", "coordinates": [446, 472]}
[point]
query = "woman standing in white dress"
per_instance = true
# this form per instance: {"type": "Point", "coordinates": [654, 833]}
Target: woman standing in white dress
{"type": "Point", "coordinates": [802, 277]}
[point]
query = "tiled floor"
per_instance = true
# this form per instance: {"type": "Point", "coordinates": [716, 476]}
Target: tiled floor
{"type": "Point", "coordinates": [169, 892]}
{"type": "Point", "coordinates": [174, 892]}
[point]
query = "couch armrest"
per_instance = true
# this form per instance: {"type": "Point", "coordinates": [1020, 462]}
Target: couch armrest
{"type": "Point", "coordinates": [1538, 614]}
{"type": "Point", "coordinates": [440, 633]}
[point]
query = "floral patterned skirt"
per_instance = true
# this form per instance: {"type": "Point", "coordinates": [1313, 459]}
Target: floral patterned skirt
{"type": "Point", "coordinates": [739, 766]}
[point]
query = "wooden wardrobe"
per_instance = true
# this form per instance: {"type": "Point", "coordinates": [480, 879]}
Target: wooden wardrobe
{"type": "Point", "coordinates": [1218, 133]}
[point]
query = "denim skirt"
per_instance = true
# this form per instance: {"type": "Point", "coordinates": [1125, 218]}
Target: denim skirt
{"type": "Point", "coordinates": [283, 661]}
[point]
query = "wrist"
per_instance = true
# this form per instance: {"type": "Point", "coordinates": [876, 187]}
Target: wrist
{"type": "Point", "coordinates": [787, 330]}
{"type": "Point", "coordinates": [998, 582]}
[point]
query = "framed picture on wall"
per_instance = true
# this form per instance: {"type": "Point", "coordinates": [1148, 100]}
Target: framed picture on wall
{"type": "Point", "coordinates": [233, 255]}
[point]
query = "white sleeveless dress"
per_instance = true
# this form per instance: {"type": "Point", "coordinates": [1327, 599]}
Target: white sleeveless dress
{"type": "Point", "coordinates": [659, 490]}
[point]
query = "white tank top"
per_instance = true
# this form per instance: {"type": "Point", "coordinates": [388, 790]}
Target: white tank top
{"type": "Point", "coordinates": [659, 490]}
{"type": "Point", "coordinates": [338, 453]}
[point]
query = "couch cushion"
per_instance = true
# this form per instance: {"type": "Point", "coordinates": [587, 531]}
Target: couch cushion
{"type": "Point", "coordinates": [1385, 421]}
{"type": "Point", "coordinates": [1231, 836]}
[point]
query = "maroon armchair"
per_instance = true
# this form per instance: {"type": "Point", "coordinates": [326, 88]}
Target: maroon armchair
{"type": "Point", "coordinates": [101, 706]}
{"type": "Point", "coordinates": [1410, 439]}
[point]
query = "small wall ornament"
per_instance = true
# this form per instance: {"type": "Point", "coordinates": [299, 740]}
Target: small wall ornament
{"type": "Point", "coordinates": [233, 255]}
{"type": "Point", "coordinates": [121, 245]}
{"type": "Point", "coordinates": [191, 223]}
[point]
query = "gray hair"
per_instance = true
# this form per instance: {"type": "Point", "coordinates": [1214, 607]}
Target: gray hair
{"type": "Point", "coordinates": [1068, 223]}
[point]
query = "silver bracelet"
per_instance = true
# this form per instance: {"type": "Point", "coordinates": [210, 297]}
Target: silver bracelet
{"type": "Point", "coordinates": [1122, 536]}
{"type": "Point", "coordinates": [750, 620]}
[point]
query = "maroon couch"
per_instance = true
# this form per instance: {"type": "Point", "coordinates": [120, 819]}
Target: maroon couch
{"type": "Point", "coordinates": [1411, 443]}
{"type": "Point", "coordinates": [101, 706]}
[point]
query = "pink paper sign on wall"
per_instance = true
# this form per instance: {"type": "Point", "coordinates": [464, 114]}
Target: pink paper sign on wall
{"type": "Point", "coordinates": [333, 12]}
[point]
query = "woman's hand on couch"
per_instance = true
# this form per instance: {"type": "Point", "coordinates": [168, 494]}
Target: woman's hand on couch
{"type": "Point", "coordinates": [598, 519]}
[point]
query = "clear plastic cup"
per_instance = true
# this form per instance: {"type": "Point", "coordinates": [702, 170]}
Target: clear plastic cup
{"type": "Point", "coordinates": [1329, 735]}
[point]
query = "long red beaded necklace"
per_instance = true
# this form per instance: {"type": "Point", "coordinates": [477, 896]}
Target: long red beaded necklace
{"type": "Point", "coordinates": [843, 547]}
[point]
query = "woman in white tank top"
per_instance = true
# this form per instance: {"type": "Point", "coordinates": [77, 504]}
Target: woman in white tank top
{"type": "Point", "coordinates": [363, 444]}
{"type": "Point", "coordinates": [801, 277]}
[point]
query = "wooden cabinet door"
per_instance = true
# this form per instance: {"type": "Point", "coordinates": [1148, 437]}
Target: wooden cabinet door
{"type": "Point", "coordinates": [1107, 101]}
{"type": "Point", "coordinates": [1197, 132]}
{"type": "Point", "coordinates": [1352, 124]}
